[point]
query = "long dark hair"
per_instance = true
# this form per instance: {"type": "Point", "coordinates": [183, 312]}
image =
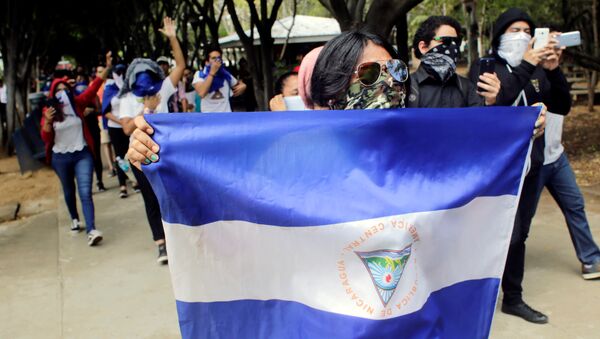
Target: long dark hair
{"type": "Point", "coordinates": [335, 65]}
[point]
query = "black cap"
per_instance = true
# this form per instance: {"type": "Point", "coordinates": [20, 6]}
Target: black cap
{"type": "Point", "coordinates": [506, 19]}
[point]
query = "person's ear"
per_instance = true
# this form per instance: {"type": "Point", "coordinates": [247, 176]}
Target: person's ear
{"type": "Point", "coordinates": [423, 47]}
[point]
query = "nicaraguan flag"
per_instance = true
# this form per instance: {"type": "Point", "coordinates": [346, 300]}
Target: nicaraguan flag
{"type": "Point", "coordinates": [339, 224]}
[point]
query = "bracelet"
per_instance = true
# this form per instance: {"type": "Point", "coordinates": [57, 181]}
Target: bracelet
{"type": "Point", "coordinates": [148, 111]}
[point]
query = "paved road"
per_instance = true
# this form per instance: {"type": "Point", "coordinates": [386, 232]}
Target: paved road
{"type": "Point", "coordinates": [52, 285]}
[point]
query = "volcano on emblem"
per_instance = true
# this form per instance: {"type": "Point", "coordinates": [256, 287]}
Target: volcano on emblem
{"type": "Point", "coordinates": [385, 268]}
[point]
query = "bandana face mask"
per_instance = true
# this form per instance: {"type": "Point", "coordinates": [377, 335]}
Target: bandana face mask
{"type": "Point", "coordinates": [386, 93]}
{"type": "Point", "coordinates": [118, 78]}
{"type": "Point", "coordinates": [513, 46]}
{"type": "Point", "coordinates": [440, 61]}
{"type": "Point", "coordinates": [62, 97]}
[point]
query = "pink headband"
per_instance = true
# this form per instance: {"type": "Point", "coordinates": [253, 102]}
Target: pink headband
{"type": "Point", "coordinates": [304, 75]}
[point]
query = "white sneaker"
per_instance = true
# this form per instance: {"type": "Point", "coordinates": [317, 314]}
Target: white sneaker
{"type": "Point", "coordinates": [75, 226]}
{"type": "Point", "coordinates": [94, 237]}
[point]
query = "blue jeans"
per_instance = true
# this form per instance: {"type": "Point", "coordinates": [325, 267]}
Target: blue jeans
{"type": "Point", "coordinates": [76, 165]}
{"type": "Point", "coordinates": [559, 178]}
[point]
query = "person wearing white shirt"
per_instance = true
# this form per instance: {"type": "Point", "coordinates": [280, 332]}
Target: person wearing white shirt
{"type": "Point", "coordinates": [215, 84]}
{"type": "Point", "coordinates": [148, 84]}
{"type": "Point", "coordinates": [70, 147]}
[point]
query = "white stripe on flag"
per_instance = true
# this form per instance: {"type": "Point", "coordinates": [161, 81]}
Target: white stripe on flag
{"type": "Point", "coordinates": [317, 266]}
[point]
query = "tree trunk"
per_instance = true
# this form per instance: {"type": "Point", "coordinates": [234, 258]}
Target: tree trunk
{"type": "Point", "coordinates": [10, 78]}
{"type": "Point", "coordinates": [255, 67]}
{"type": "Point", "coordinates": [596, 51]}
{"type": "Point", "coordinates": [470, 11]}
{"type": "Point", "coordinates": [384, 14]}
{"type": "Point", "coordinates": [267, 72]}
{"type": "Point", "coordinates": [402, 38]}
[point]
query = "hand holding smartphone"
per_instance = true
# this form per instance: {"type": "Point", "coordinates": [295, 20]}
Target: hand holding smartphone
{"type": "Point", "coordinates": [542, 36]}
{"type": "Point", "coordinates": [486, 65]}
{"type": "Point", "coordinates": [569, 39]}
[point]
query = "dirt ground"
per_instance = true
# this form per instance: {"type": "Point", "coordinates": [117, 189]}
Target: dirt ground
{"type": "Point", "coordinates": [38, 191]}
{"type": "Point", "coordinates": [581, 138]}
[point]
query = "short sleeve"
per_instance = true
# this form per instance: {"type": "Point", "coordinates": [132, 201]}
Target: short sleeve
{"type": "Point", "coordinates": [233, 81]}
{"type": "Point", "coordinates": [129, 107]}
{"type": "Point", "coordinates": [167, 89]}
{"type": "Point", "coordinates": [197, 78]}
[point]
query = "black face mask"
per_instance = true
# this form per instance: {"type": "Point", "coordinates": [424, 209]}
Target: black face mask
{"type": "Point", "coordinates": [440, 61]}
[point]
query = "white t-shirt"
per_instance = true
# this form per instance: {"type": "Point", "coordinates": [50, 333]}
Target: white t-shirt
{"type": "Point", "coordinates": [553, 135]}
{"type": "Point", "coordinates": [132, 105]}
{"type": "Point", "coordinates": [3, 94]}
{"type": "Point", "coordinates": [115, 104]}
{"type": "Point", "coordinates": [68, 134]}
{"type": "Point", "coordinates": [217, 101]}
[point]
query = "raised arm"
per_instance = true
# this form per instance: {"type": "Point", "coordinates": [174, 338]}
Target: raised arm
{"type": "Point", "coordinates": [170, 31]}
{"type": "Point", "coordinates": [89, 95]}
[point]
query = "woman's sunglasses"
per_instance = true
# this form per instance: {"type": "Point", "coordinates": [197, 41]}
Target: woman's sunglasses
{"type": "Point", "coordinates": [370, 72]}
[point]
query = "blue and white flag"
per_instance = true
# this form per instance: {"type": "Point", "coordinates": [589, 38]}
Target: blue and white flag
{"type": "Point", "coordinates": [339, 224]}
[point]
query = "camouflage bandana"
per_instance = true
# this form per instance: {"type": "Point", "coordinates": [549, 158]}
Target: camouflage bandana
{"type": "Point", "coordinates": [387, 93]}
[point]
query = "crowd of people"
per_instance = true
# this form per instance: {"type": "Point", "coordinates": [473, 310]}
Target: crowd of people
{"type": "Point", "coordinates": [356, 70]}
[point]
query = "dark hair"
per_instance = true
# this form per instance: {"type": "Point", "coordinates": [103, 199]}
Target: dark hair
{"type": "Point", "coordinates": [426, 31]}
{"type": "Point", "coordinates": [337, 61]}
{"type": "Point", "coordinates": [554, 27]}
{"type": "Point", "coordinates": [281, 80]}
{"type": "Point", "coordinates": [211, 49]}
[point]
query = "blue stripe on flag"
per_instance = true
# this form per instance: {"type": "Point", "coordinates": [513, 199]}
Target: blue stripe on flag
{"type": "Point", "coordinates": [463, 310]}
{"type": "Point", "coordinates": [323, 167]}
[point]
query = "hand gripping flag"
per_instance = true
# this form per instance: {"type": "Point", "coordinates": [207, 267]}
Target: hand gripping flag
{"type": "Point", "coordinates": [339, 224]}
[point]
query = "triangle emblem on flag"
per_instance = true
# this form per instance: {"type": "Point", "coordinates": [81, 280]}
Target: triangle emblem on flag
{"type": "Point", "coordinates": [385, 268]}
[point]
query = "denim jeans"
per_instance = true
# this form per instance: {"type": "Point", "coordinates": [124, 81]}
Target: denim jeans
{"type": "Point", "coordinates": [559, 178]}
{"type": "Point", "coordinates": [78, 166]}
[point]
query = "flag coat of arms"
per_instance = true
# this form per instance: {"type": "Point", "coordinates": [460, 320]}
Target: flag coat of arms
{"type": "Point", "coordinates": [339, 224]}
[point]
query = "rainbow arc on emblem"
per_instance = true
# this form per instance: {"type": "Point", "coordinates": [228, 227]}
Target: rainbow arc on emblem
{"type": "Point", "coordinates": [385, 268]}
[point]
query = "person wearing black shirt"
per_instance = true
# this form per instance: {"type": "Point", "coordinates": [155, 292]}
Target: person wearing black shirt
{"type": "Point", "coordinates": [528, 76]}
{"type": "Point", "coordinates": [435, 83]}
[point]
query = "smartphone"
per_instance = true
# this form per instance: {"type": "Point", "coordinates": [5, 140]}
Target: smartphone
{"type": "Point", "coordinates": [542, 35]}
{"type": "Point", "coordinates": [569, 39]}
{"type": "Point", "coordinates": [486, 65]}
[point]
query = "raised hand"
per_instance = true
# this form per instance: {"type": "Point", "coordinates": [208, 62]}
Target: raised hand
{"type": "Point", "coordinates": [540, 123]}
{"type": "Point", "coordinates": [108, 59]}
{"type": "Point", "coordinates": [534, 56]}
{"type": "Point", "coordinates": [49, 114]}
{"type": "Point", "coordinates": [169, 28]}
{"type": "Point", "coordinates": [552, 61]}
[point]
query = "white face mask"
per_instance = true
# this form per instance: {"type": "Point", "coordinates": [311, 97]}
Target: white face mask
{"type": "Point", "coordinates": [294, 103]}
{"type": "Point", "coordinates": [513, 46]}
{"type": "Point", "coordinates": [118, 80]}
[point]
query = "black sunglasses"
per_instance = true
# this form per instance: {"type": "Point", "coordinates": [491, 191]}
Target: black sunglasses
{"type": "Point", "coordinates": [370, 72]}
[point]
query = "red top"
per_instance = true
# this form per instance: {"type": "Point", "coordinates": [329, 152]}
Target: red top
{"type": "Point", "coordinates": [82, 101]}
